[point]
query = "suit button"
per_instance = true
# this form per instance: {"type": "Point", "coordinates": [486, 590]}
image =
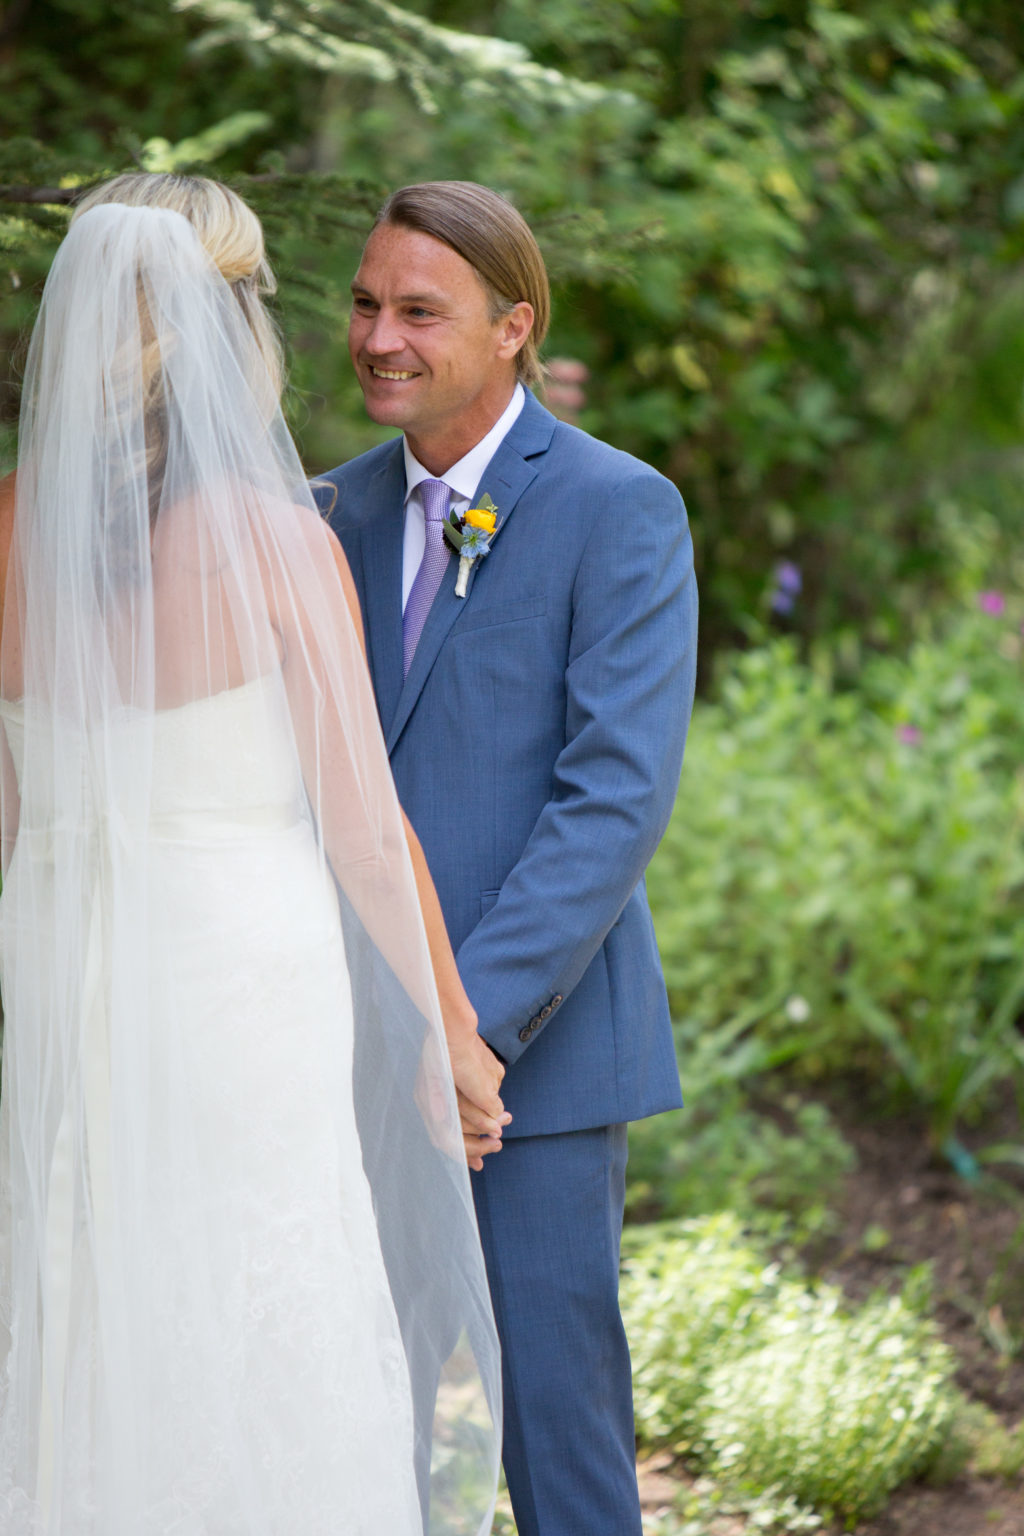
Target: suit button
{"type": "Point", "coordinates": [525, 1033]}
{"type": "Point", "coordinates": [545, 1012]}
{"type": "Point", "coordinates": [558, 998]}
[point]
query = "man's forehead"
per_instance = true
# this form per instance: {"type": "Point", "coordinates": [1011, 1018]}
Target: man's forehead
{"type": "Point", "coordinates": [413, 261]}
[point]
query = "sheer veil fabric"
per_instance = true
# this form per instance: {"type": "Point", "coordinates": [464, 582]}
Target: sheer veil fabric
{"type": "Point", "coordinates": [241, 1291]}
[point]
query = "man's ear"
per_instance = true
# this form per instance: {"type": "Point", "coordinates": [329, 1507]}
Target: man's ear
{"type": "Point", "coordinates": [513, 329]}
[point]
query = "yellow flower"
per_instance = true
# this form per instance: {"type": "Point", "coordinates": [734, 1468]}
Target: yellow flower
{"type": "Point", "coordinates": [476, 517]}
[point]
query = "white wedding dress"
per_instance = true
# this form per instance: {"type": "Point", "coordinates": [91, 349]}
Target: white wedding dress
{"type": "Point", "coordinates": [300, 1371]}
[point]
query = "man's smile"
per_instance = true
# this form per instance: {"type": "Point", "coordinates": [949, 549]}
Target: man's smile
{"type": "Point", "coordinates": [392, 373]}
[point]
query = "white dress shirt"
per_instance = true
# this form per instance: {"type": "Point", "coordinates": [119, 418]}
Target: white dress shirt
{"type": "Point", "coordinates": [463, 477]}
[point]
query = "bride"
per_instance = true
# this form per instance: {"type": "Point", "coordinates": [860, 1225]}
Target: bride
{"type": "Point", "coordinates": [241, 1292]}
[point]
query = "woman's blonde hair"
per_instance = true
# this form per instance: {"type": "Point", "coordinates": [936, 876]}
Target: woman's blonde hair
{"type": "Point", "coordinates": [229, 231]}
{"type": "Point", "coordinates": [232, 237]}
{"type": "Point", "coordinates": [484, 229]}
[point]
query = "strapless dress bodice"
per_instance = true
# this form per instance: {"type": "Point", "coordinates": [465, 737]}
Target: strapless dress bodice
{"type": "Point", "coordinates": [223, 758]}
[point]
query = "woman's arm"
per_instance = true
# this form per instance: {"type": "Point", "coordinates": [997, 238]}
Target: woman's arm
{"type": "Point", "coordinates": [476, 1070]}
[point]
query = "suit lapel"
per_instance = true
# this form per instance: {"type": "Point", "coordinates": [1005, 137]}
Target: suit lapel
{"type": "Point", "coordinates": [382, 538]}
{"type": "Point", "coordinates": [505, 479]}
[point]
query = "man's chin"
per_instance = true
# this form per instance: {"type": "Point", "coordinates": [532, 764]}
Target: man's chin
{"type": "Point", "coordinates": [387, 407]}
{"type": "Point", "coordinates": [386, 413]}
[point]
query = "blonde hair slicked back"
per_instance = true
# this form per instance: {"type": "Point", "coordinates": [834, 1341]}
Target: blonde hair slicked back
{"type": "Point", "coordinates": [486, 230]}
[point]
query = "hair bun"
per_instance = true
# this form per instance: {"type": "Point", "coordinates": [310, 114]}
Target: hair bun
{"type": "Point", "coordinates": [228, 229]}
{"type": "Point", "coordinates": [234, 266]}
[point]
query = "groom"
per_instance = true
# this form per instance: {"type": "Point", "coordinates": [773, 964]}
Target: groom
{"type": "Point", "coordinates": [535, 727]}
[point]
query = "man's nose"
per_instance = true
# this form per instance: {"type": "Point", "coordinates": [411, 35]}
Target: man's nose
{"type": "Point", "coordinates": [383, 336]}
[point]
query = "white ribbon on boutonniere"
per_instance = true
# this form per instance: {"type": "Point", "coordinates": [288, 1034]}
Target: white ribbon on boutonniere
{"type": "Point", "coordinates": [470, 536]}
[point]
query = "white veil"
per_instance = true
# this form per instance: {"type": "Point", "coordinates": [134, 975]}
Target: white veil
{"type": "Point", "coordinates": [171, 591]}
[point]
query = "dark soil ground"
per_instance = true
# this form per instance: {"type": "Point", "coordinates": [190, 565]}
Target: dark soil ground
{"type": "Point", "coordinates": [903, 1206]}
{"type": "Point", "coordinates": [974, 1240]}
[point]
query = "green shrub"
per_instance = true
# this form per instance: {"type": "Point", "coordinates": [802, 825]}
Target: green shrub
{"type": "Point", "coordinates": [707, 1508]}
{"type": "Point", "coordinates": [781, 1157]}
{"type": "Point", "coordinates": [768, 1383]}
{"type": "Point", "coordinates": [992, 1448]}
{"type": "Point", "coordinates": [845, 868]}
{"type": "Point", "coordinates": [838, 1410]}
{"type": "Point", "coordinates": [691, 1291]}
{"type": "Point", "coordinates": [743, 1142]}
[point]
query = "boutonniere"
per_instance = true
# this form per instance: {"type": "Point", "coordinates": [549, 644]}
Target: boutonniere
{"type": "Point", "coordinates": [470, 536]}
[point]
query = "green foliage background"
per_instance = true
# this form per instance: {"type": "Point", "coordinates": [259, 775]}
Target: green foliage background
{"type": "Point", "coordinates": [843, 875]}
{"type": "Point", "coordinates": [786, 238]}
{"type": "Point", "coordinates": [784, 235]}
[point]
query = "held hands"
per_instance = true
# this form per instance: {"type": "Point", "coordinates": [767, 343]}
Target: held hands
{"type": "Point", "coordinates": [478, 1074]}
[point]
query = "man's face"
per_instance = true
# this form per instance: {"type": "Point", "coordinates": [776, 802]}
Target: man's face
{"type": "Point", "coordinates": [429, 357]}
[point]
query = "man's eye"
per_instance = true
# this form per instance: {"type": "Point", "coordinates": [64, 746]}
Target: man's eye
{"type": "Point", "coordinates": [418, 313]}
{"type": "Point", "coordinates": [359, 303]}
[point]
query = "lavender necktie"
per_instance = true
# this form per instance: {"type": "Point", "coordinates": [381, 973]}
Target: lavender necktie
{"type": "Point", "coordinates": [436, 500]}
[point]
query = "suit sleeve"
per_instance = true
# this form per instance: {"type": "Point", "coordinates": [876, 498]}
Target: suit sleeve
{"type": "Point", "coordinates": [629, 687]}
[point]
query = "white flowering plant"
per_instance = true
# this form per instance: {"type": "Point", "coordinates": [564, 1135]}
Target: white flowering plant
{"type": "Point", "coordinates": [769, 1384]}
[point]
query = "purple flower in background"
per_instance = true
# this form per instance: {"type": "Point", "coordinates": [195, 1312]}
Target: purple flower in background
{"type": "Point", "coordinates": [993, 603]}
{"type": "Point", "coordinates": [788, 585]}
{"type": "Point", "coordinates": [910, 735]}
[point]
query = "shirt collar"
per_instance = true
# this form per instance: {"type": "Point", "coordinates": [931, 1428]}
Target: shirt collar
{"type": "Point", "coordinates": [465, 476]}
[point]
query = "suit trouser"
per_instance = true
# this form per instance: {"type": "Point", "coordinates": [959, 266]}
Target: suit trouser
{"type": "Point", "coordinates": [550, 1214]}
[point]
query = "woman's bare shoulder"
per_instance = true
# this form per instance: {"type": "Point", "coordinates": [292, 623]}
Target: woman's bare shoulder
{"type": "Point", "coordinates": [337, 557]}
{"type": "Point", "coordinates": [324, 545]}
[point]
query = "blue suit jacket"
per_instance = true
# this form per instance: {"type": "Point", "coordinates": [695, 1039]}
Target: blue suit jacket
{"type": "Point", "coordinates": [536, 745]}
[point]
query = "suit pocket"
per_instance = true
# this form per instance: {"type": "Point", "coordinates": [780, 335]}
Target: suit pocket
{"type": "Point", "coordinates": [503, 613]}
{"type": "Point", "coordinates": [487, 900]}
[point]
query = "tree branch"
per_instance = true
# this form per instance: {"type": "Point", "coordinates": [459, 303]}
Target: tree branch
{"type": "Point", "coordinates": [65, 196]}
{"type": "Point", "coordinates": [12, 19]}
{"type": "Point", "coordinates": [61, 195]}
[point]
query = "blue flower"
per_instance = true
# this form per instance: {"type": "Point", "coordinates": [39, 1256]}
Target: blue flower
{"type": "Point", "coordinates": [474, 542]}
{"type": "Point", "coordinates": [788, 577]}
{"type": "Point", "coordinates": [788, 585]}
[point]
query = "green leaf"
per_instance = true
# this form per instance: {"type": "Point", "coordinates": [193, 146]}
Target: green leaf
{"type": "Point", "coordinates": [453, 532]}
{"type": "Point", "coordinates": [160, 155]}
